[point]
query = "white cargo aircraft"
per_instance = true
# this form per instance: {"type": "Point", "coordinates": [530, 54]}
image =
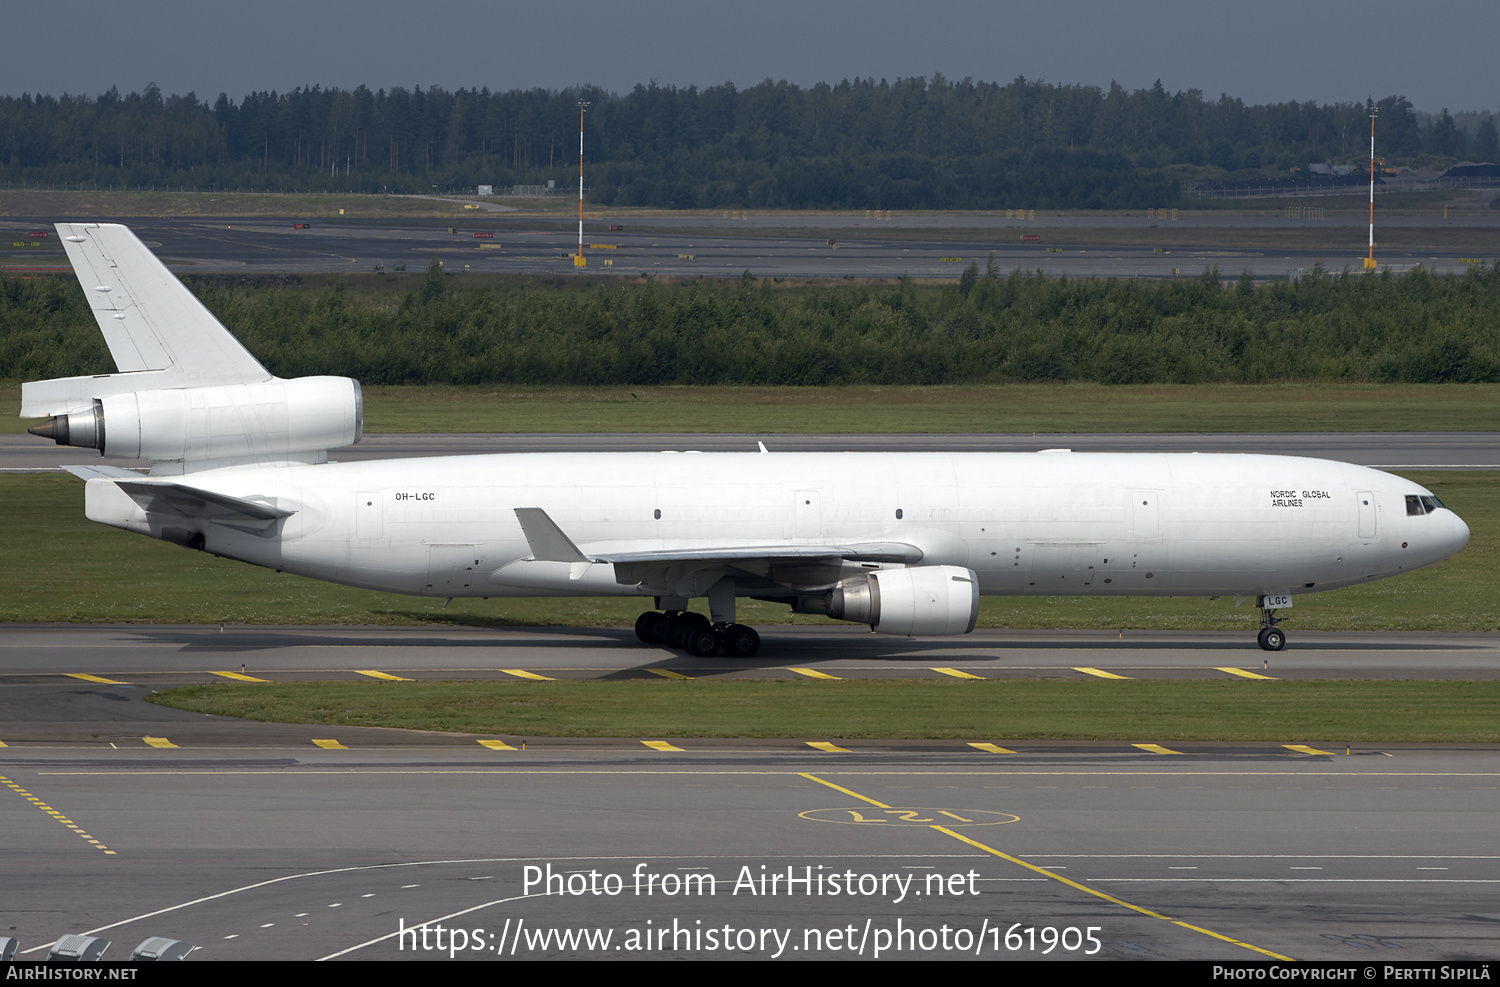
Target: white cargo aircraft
{"type": "Point", "coordinates": [904, 542]}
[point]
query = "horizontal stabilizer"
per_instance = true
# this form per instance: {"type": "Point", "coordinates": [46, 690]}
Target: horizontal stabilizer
{"type": "Point", "coordinates": [103, 472]}
{"type": "Point", "coordinates": [165, 497]}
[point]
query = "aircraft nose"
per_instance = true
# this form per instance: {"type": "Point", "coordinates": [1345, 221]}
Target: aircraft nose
{"type": "Point", "coordinates": [1460, 534]}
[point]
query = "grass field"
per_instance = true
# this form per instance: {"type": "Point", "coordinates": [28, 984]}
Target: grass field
{"type": "Point", "coordinates": [1159, 712]}
{"type": "Point", "coordinates": [1018, 408]}
{"type": "Point", "coordinates": [57, 566]}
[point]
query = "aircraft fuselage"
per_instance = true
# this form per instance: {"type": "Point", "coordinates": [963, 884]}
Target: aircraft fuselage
{"type": "Point", "coordinates": [1025, 523]}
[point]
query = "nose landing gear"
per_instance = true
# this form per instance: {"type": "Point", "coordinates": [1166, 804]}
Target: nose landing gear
{"type": "Point", "coordinates": [1271, 637]}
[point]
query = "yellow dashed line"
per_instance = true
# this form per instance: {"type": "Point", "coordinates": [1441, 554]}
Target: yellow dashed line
{"type": "Point", "coordinates": [158, 742]}
{"type": "Point", "coordinates": [94, 678]}
{"type": "Point", "coordinates": [521, 673]}
{"type": "Point", "coordinates": [330, 745]}
{"type": "Point", "coordinates": [239, 677]}
{"type": "Point", "coordinates": [1058, 877]}
{"type": "Point", "coordinates": [496, 745]}
{"type": "Point", "coordinates": [55, 814]}
{"type": "Point", "coordinates": [823, 745]}
{"type": "Point", "coordinates": [957, 674]}
{"type": "Point", "coordinates": [1100, 673]}
{"type": "Point", "coordinates": [991, 749]}
{"type": "Point", "coordinates": [1155, 749]}
{"type": "Point", "coordinates": [1247, 675]}
{"type": "Point", "coordinates": [1304, 749]}
{"type": "Point", "coordinates": [660, 745]}
{"type": "Point", "coordinates": [667, 673]}
{"type": "Point", "coordinates": [384, 676]}
{"type": "Point", "coordinates": [812, 674]}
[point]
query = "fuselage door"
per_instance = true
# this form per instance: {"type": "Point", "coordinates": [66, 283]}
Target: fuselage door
{"type": "Point", "coordinates": [450, 569]}
{"type": "Point", "coordinates": [368, 517]}
{"type": "Point", "coordinates": [1366, 513]}
{"type": "Point", "coordinates": [1145, 515]}
{"type": "Point", "coordinates": [807, 514]}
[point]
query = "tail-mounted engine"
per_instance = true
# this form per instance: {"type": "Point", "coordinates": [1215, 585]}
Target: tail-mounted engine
{"type": "Point", "coordinates": [268, 419]}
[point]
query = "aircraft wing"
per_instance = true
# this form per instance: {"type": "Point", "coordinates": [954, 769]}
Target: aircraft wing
{"type": "Point", "coordinates": [795, 565]}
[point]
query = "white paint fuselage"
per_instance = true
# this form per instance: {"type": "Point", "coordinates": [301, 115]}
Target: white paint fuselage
{"type": "Point", "coordinates": [1026, 523]}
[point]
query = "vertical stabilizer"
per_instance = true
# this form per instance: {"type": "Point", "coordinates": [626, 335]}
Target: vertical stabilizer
{"type": "Point", "coordinates": [159, 334]}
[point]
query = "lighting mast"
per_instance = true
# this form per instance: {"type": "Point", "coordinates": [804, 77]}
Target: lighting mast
{"type": "Point", "coordinates": [1370, 260]}
{"type": "Point", "coordinates": [578, 261]}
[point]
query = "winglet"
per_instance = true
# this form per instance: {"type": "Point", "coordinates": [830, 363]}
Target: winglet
{"type": "Point", "coordinates": [547, 541]}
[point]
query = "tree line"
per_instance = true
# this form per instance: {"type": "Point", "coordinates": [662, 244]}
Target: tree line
{"type": "Point", "coordinates": [988, 327]}
{"type": "Point", "coordinates": [913, 143]}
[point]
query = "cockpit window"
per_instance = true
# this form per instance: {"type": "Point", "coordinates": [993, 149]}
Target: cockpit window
{"type": "Point", "coordinates": [1421, 504]}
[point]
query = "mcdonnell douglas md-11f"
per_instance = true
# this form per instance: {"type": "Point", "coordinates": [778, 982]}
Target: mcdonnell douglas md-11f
{"type": "Point", "coordinates": [904, 542]}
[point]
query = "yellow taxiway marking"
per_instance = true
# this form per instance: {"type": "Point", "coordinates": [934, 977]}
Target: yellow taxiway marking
{"type": "Point", "coordinates": [330, 745]}
{"type": "Point", "coordinates": [241, 677]}
{"type": "Point", "coordinates": [1058, 877]}
{"type": "Point", "coordinates": [1304, 749]}
{"type": "Point", "coordinates": [660, 745]}
{"type": "Point", "coordinates": [2, 743]}
{"type": "Point", "coordinates": [957, 674]}
{"type": "Point", "coordinates": [521, 673]}
{"type": "Point", "coordinates": [382, 675]}
{"type": "Point", "coordinates": [158, 742]}
{"type": "Point", "coordinates": [95, 678]}
{"type": "Point", "coordinates": [496, 745]}
{"type": "Point", "coordinates": [55, 814]}
{"type": "Point", "coordinates": [812, 674]}
{"type": "Point", "coordinates": [1155, 749]}
{"type": "Point", "coordinates": [667, 673]}
{"type": "Point", "coordinates": [823, 745]}
{"type": "Point", "coordinates": [991, 749]}
{"type": "Point", "coordinates": [1100, 673]}
{"type": "Point", "coordinates": [1247, 675]}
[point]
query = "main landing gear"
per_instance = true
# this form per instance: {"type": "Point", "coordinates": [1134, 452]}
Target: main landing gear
{"type": "Point", "coordinates": [1271, 637]}
{"type": "Point", "coordinates": [693, 633]}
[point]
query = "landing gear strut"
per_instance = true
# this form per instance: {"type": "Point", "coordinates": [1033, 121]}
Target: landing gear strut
{"type": "Point", "coordinates": [1271, 637]}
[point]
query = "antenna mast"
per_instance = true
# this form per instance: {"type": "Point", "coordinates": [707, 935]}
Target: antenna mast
{"type": "Point", "coordinates": [578, 261]}
{"type": "Point", "coordinates": [1370, 260]}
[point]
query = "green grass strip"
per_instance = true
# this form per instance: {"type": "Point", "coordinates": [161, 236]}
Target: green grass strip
{"type": "Point", "coordinates": [1136, 711]}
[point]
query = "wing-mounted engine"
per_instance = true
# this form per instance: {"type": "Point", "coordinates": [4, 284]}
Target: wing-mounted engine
{"type": "Point", "coordinates": [917, 600]}
{"type": "Point", "coordinates": [188, 395]}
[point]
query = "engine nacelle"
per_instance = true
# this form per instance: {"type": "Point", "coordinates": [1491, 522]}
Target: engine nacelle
{"type": "Point", "coordinates": [263, 420]}
{"type": "Point", "coordinates": [928, 599]}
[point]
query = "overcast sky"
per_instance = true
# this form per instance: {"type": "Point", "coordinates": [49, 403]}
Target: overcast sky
{"type": "Point", "coordinates": [1262, 51]}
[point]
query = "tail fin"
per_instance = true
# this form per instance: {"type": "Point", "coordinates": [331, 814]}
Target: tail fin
{"type": "Point", "coordinates": [159, 334]}
{"type": "Point", "coordinates": [187, 395]}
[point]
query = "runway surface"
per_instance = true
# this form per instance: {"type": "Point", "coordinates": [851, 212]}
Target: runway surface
{"type": "Point", "coordinates": [1386, 450]}
{"type": "Point", "coordinates": [127, 819]}
{"type": "Point", "coordinates": [272, 853]}
{"type": "Point", "coordinates": [719, 246]}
